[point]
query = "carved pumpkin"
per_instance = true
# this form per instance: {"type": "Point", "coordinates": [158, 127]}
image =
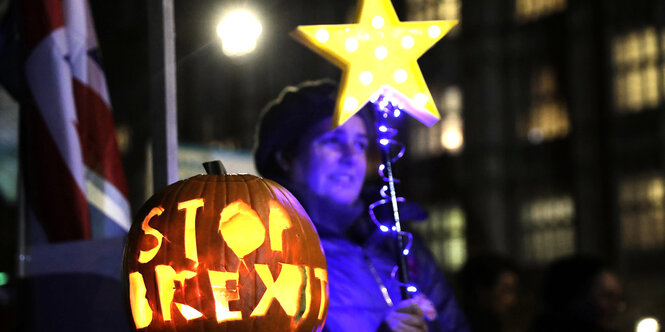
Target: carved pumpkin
{"type": "Point", "coordinates": [228, 252]}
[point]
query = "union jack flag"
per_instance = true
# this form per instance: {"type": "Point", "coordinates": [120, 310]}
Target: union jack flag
{"type": "Point", "coordinates": [74, 183]}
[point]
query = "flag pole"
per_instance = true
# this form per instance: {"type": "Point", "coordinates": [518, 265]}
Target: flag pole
{"type": "Point", "coordinates": [163, 102]}
{"type": "Point", "coordinates": [22, 246]}
{"type": "Point", "coordinates": [22, 293]}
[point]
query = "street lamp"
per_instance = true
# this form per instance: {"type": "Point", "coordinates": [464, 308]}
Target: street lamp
{"type": "Point", "coordinates": [239, 31]}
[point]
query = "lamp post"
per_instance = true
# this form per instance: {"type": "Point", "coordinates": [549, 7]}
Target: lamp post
{"type": "Point", "coordinates": [239, 31]}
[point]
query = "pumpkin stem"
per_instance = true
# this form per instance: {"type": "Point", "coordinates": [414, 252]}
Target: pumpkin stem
{"type": "Point", "coordinates": [214, 167]}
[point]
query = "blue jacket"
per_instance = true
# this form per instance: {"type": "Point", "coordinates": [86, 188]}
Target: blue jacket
{"type": "Point", "coordinates": [350, 240]}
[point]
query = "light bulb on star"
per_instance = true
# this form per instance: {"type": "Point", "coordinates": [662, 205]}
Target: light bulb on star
{"type": "Point", "coordinates": [378, 56]}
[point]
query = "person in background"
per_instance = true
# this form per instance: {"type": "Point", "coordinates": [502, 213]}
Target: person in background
{"type": "Point", "coordinates": [489, 286]}
{"type": "Point", "coordinates": [325, 169]}
{"type": "Point", "coordinates": [581, 294]}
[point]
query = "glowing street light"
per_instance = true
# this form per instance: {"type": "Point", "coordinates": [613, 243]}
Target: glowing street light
{"type": "Point", "coordinates": [239, 31]}
{"type": "Point", "coordinates": [648, 324]}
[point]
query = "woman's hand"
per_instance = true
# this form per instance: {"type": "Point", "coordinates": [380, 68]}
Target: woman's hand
{"type": "Point", "coordinates": [407, 316]}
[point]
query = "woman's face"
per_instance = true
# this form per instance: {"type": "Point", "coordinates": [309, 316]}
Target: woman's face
{"type": "Point", "coordinates": [332, 163]}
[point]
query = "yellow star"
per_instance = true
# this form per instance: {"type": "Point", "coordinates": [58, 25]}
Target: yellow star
{"type": "Point", "coordinates": [378, 55]}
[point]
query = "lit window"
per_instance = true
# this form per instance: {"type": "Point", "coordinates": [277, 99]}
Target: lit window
{"type": "Point", "coordinates": [444, 136]}
{"type": "Point", "coordinates": [526, 10]}
{"type": "Point", "coordinates": [547, 225]}
{"type": "Point", "coordinates": [642, 217]}
{"type": "Point", "coordinates": [635, 58]}
{"type": "Point", "coordinates": [547, 118]}
{"type": "Point", "coordinates": [444, 234]}
{"type": "Point", "coordinates": [422, 10]}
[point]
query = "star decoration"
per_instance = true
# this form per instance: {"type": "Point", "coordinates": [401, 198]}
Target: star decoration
{"type": "Point", "coordinates": [378, 56]}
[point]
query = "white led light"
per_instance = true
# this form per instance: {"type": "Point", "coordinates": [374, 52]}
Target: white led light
{"type": "Point", "coordinates": [420, 99]}
{"type": "Point", "coordinates": [400, 76]}
{"type": "Point", "coordinates": [434, 31]}
{"type": "Point", "coordinates": [378, 22]}
{"type": "Point", "coordinates": [322, 36]}
{"type": "Point", "coordinates": [350, 104]}
{"type": "Point", "coordinates": [381, 52]}
{"type": "Point", "coordinates": [366, 78]}
{"type": "Point", "coordinates": [408, 42]}
{"type": "Point", "coordinates": [351, 44]}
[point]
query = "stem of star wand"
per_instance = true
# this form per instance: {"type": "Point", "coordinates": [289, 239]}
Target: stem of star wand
{"type": "Point", "coordinates": [384, 144]}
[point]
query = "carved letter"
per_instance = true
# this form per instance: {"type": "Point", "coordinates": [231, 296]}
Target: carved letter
{"type": "Point", "coordinates": [279, 221]}
{"type": "Point", "coordinates": [223, 295]}
{"type": "Point", "coordinates": [166, 278]}
{"type": "Point", "coordinates": [307, 297]}
{"type": "Point", "coordinates": [286, 289]}
{"type": "Point", "coordinates": [140, 308]}
{"type": "Point", "coordinates": [322, 275]}
{"type": "Point", "coordinates": [146, 256]}
{"type": "Point", "coordinates": [190, 208]}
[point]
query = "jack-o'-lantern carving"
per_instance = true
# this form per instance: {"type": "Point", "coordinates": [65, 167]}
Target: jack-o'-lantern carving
{"type": "Point", "coordinates": [227, 252]}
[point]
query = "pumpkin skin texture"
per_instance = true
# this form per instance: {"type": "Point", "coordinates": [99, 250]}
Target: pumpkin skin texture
{"type": "Point", "coordinates": [230, 252]}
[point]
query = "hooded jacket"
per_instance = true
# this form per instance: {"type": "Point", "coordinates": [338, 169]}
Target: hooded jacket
{"type": "Point", "coordinates": [360, 261]}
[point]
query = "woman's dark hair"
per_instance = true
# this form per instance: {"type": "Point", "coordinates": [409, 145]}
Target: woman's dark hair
{"type": "Point", "coordinates": [285, 120]}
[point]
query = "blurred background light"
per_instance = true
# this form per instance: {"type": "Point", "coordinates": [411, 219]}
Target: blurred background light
{"type": "Point", "coordinates": [239, 31]}
{"type": "Point", "coordinates": [647, 324]}
{"type": "Point", "coordinates": [452, 138]}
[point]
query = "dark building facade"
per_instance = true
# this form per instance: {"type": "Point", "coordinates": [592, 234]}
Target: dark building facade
{"type": "Point", "coordinates": [560, 105]}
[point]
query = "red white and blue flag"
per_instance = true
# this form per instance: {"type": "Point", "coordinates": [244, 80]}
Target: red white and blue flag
{"type": "Point", "coordinates": [73, 178]}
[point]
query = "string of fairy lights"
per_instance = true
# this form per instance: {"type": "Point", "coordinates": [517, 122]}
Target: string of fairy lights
{"type": "Point", "coordinates": [387, 112]}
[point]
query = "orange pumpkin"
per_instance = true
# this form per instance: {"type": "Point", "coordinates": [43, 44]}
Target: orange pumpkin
{"type": "Point", "coordinates": [227, 252]}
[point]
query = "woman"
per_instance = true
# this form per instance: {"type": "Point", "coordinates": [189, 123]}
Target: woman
{"type": "Point", "coordinates": [325, 170]}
